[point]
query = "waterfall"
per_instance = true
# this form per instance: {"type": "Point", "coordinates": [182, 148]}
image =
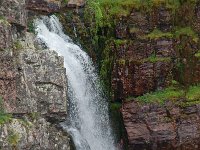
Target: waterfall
{"type": "Point", "coordinates": [88, 119]}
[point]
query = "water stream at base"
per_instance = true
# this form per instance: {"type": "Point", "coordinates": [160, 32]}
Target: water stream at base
{"type": "Point", "coordinates": [88, 119]}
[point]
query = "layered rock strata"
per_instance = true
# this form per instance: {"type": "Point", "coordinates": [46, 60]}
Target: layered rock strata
{"type": "Point", "coordinates": [155, 127]}
{"type": "Point", "coordinates": [33, 94]}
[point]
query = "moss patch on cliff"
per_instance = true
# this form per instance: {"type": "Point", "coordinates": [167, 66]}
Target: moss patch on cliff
{"type": "Point", "coordinates": [107, 65]}
{"type": "Point", "coordinates": [156, 34]}
{"type": "Point", "coordinates": [13, 138]}
{"type": "Point", "coordinates": [154, 59]}
{"type": "Point", "coordinates": [161, 96]}
{"type": "Point", "coordinates": [190, 96]}
{"type": "Point", "coordinates": [193, 93]}
{"type": "Point", "coordinates": [4, 117]}
{"type": "Point", "coordinates": [188, 31]}
{"type": "Point", "coordinates": [197, 54]}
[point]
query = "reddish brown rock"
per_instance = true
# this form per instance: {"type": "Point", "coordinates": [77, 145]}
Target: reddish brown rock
{"type": "Point", "coordinates": [134, 73]}
{"type": "Point", "coordinates": [7, 80]}
{"type": "Point", "coordinates": [165, 19]}
{"type": "Point", "coordinates": [5, 35]}
{"type": "Point", "coordinates": [46, 6]}
{"type": "Point", "coordinates": [76, 3]}
{"type": "Point", "coordinates": [167, 127]}
{"type": "Point", "coordinates": [14, 12]}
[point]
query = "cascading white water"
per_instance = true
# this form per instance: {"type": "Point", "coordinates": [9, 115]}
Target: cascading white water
{"type": "Point", "coordinates": [88, 121]}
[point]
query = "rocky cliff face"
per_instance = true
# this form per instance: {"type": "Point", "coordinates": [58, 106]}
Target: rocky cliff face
{"type": "Point", "coordinates": [140, 48]}
{"type": "Point", "coordinates": [155, 127]}
{"type": "Point", "coordinates": [32, 86]}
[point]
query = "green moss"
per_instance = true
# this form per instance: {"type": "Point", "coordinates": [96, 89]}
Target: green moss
{"type": "Point", "coordinates": [174, 83]}
{"type": "Point", "coordinates": [193, 93]}
{"type": "Point", "coordinates": [115, 106]}
{"type": "Point", "coordinates": [188, 32]}
{"type": "Point", "coordinates": [65, 1]}
{"type": "Point", "coordinates": [154, 59]}
{"type": "Point", "coordinates": [170, 93]}
{"type": "Point", "coordinates": [106, 65]}
{"type": "Point", "coordinates": [156, 34]}
{"type": "Point", "coordinates": [197, 54]}
{"type": "Point", "coordinates": [4, 21]}
{"type": "Point", "coordinates": [121, 61]}
{"type": "Point", "coordinates": [31, 26]}
{"type": "Point", "coordinates": [13, 138]}
{"type": "Point", "coordinates": [134, 30]}
{"type": "Point", "coordinates": [107, 11]}
{"type": "Point", "coordinates": [4, 118]}
{"type": "Point", "coordinates": [18, 45]}
{"type": "Point", "coordinates": [191, 96]}
{"type": "Point", "coordinates": [120, 42]}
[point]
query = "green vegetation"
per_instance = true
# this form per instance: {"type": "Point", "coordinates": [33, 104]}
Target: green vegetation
{"type": "Point", "coordinates": [104, 15]}
{"type": "Point", "coordinates": [120, 42]}
{"type": "Point", "coordinates": [65, 1]}
{"type": "Point", "coordinates": [192, 95]}
{"type": "Point", "coordinates": [4, 21]}
{"type": "Point", "coordinates": [106, 66]}
{"type": "Point", "coordinates": [169, 93]}
{"type": "Point", "coordinates": [121, 61]}
{"type": "Point", "coordinates": [197, 54]}
{"type": "Point", "coordinates": [18, 45]}
{"type": "Point", "coordinates": [188, 32]}
{"type": "Point", "coordinates": [115, 106]}
{"type": "Point", "coordinates": [107, 9]}
{"type": "Point", "coordinates": [154, 59]}
{"type": "Point", "coordinates": [156, 34]}
{"type": "Point", "coordinates": [31, 26]}
{"type": "Point", "coordinates": [4, 118]}
{"type": "Point", "coordinates": [13, 138]}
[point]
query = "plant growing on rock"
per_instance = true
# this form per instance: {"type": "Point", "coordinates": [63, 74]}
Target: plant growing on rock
{"type": "Point", "coordinates": [4, 117]}
{"type": "Point", "coordinates": [13, 139]}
